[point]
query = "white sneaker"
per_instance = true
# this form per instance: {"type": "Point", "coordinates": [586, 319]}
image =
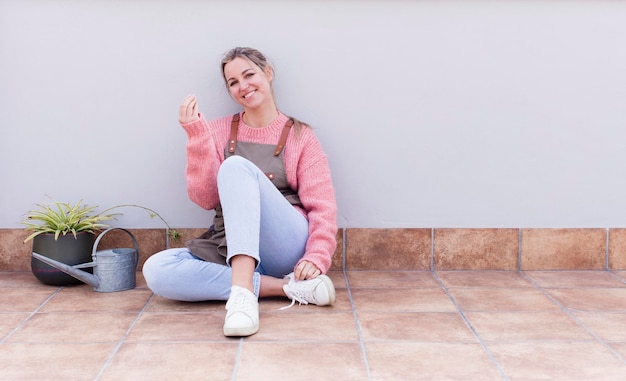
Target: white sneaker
{"type": "Point", "coordinates": [319, 291]}
{"type": "Point", "coordinates": [242, 316]}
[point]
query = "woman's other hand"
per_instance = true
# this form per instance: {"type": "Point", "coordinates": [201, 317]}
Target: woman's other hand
{"type": "Point", "coordinates": [306, 270]}
{"type": "Point", "coordinates": [188, 110]}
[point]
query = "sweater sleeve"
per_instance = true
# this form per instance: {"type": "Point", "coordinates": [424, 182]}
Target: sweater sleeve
{"type": "Point", "coordinates": [203, 161]}
{"type": "Point", "coordinates": [317, 196]}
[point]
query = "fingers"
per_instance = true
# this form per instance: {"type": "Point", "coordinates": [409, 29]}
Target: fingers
{"type": "Point", "coordinates": [188, 110]}
{"type": "Point", "coordinates": [306, 270]}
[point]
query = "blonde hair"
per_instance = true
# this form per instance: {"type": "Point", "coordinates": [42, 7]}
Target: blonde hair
{"type": "Point", "coordinates": [257, 58]}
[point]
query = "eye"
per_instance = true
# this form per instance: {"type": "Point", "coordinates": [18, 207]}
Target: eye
{"type": "Point", "coordinates": [248, 75]}
{"type": "Point", "coordinates": [232, 83]}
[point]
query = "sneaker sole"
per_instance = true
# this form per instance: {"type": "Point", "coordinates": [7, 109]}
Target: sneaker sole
{"type": "Point", "coordinates": [331, 289]}
{"type": "Point", "coordinates": [241, 331]}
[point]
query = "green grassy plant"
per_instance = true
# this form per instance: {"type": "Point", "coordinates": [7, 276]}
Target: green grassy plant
{"type": "Point", "coordinates": [62, 218]}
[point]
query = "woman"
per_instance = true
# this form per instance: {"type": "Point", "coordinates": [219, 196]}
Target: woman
{"type": "Point", "coordinates": [267, 178]}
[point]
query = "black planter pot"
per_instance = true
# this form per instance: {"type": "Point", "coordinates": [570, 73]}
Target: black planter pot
{"type": "Point", "coordinates": [66, 249]}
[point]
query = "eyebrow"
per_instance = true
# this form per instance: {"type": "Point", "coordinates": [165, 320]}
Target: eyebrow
{"type": "Point", "coordinates": [242, 73]}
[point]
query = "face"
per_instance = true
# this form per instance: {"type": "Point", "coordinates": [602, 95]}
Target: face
{"type": "Point", "coordinates": [248, 84]}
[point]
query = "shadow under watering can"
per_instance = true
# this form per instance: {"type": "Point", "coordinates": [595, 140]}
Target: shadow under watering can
{"type": "Point", "coordinates": [113, 269]}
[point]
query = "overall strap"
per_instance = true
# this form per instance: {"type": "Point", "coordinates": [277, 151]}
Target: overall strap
{"type": "Point", "coordinates": [234, 124]}
{"type": "Point", "coordinates": [232, 141]}
{"type": "Point", "coordinates": [283, 137]}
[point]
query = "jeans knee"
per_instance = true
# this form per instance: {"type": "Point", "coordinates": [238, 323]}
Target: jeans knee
{"type": "Point", "coordinates": [152, 271]}
{"type": "Point", "coordinates": [233, 164]}
{"type": "Point", "coordinates": [155, 271]}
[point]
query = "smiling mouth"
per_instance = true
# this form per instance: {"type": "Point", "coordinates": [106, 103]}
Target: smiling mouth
{"type": "Point", "coordinates": [248, 95]}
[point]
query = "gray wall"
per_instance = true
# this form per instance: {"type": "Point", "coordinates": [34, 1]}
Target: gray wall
{"type": "Point", "coordinates": [432, 113]}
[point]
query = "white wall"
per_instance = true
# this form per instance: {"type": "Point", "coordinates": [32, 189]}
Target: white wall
{"type": "Point", "coordinates": [432, 113]}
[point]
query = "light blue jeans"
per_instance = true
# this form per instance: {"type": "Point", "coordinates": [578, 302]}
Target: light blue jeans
{"type": "Point", "coordinates": [259, 222]}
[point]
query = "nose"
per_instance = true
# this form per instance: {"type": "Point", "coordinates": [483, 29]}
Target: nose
{"type": "Point", "coordinates": [243, 84]}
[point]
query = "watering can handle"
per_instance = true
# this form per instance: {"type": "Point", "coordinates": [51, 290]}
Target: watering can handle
{"type": "Point", "coordinates": [95, 245]}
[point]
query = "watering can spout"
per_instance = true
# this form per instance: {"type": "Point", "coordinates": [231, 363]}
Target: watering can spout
{"type": "Point", "coordinates": [72, 270]}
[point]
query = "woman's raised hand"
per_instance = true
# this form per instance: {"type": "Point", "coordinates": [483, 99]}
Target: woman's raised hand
{"type": "Point", "coordinates": [188, 110]}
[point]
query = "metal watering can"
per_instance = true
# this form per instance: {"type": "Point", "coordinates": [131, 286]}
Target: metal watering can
{"type": "Point", "coordinates": [113, 270]}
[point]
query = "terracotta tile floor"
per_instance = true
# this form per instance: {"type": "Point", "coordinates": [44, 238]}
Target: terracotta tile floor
{"type": "Point", "coordinates": [386, 325]}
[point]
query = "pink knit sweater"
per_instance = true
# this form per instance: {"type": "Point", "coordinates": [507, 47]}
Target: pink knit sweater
{"type": "Point", "coordinates": [305, 163]}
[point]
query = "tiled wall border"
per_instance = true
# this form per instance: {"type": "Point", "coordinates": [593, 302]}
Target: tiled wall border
{"type": "Point", "coordinates": [424, 249]}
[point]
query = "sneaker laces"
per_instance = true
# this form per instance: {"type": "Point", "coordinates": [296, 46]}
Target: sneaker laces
{"type": "Point", "coordinates": [293, 301]}
{"type": "Point", "coordinates": [297, 294]}
{"type": "Point", "coordinates": [240, 302]}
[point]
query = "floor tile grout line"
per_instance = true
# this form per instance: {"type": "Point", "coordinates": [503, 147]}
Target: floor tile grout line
{"type": "Point", "coordinates": [123, 339]}
{"type": "Point", "coordinates": [233, 377]}
{"type": "Point", "coordinates": [357, 323]}
{"type": "Point", "coordinates": [573, 317]}
{"type": "Point", "coordinates": [471, 327]}
{"type": "Point", "coordinates": [30, 316]}
{"type": "Point", "coordinates": [619, 278]}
